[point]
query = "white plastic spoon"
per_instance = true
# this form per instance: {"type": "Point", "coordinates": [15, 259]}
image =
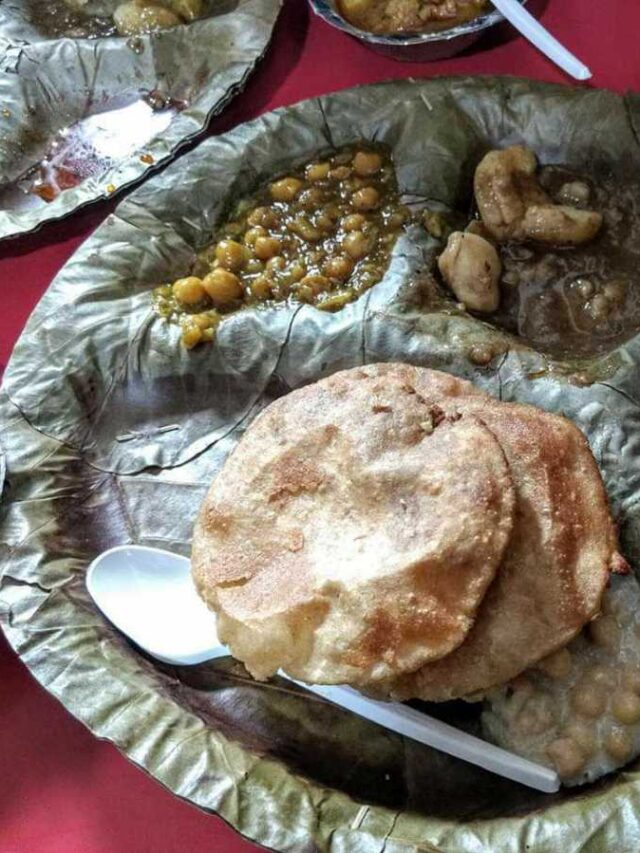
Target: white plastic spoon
{"type": "Point", "coordinates": [149, 596]}
{"type": "Point", "coordinates": [541, 38]}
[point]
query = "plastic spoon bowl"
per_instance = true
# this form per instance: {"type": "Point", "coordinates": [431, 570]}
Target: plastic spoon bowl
{"type": "Point", "coordinates": [149, 596]}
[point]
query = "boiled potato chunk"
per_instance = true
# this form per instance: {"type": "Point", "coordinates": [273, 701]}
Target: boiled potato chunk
{"type": "Point", "coordinates": [132, 19]}
{"type": "Point", "coordinates": [471, 267]}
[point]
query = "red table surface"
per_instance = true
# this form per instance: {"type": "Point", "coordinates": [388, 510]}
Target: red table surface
{"type": "Point", "coordinates": [62, 790]}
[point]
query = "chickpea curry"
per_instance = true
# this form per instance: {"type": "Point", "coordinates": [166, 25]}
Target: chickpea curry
{"type": "Point", "coordinates": [402, 16]}
{"type": "Point", "coordinates": [322, 234]}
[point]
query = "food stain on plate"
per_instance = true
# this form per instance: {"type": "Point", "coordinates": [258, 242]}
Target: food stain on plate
{"type": "Point", "coordinates": [88, 148]}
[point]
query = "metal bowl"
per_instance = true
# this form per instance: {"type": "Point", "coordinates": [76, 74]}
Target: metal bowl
{"type": "Point", "coordinates": [412, 47]}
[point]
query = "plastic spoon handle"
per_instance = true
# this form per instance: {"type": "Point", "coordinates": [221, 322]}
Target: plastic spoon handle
{"type": "Point", "coordinates": [541, 38]}
{"type": "Point", "coordinates": [424, 729]}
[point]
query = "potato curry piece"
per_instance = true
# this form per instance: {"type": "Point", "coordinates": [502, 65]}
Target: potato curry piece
{"type": "Point", "coordinates": [471, 267]}
{"type": "Point", "coordinates": [321, 234]}
{"type": "Point", "coordinates": [146, 16]}
{"type": "Point", "coordinates": [513, 205]}
{"type": "Point", "coordinates": [401, 16]}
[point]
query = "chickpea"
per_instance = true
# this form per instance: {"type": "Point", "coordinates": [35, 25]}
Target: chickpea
{"type": "Point", "coordinates": [296, 271]}
{"type": "Point", "coordinates": [317, 171]}
{"type": "Point", "coordinates": [625, 707]}
{"type": "Point", "coordinates": [353, 222]}
{"type": "Point", "coordinates": [574, 193]}
{"type": "Point", "coordinates": [189, 290]}
{"type": "Point", "coordinates": [340, 173]}
{"type": "Point", "coordinates": [599, 307]}
{"type": "Point", "coordinates": [223, 287]}
{"type": "Point", "coordinates": [534, 721]}
{"type": "Point", "coordinates": [396, 219]}
{"type": "Point", "coordinates": [600, 675]}
{"type": "Point", "coordinates": [315, 283]}
{"type": "Point", "coordinates": [615, 291]}
{"type": "Point", "coordinates": [567, 757]}
{"type": "Point", "coordinates": [254, 265]}
{"type": "Point", "coordinates": [311, 199]}
{"type": "Point", "coordinates": [588, 701]}
{"type": "Point", "coordinates": [305, 229]}
{"type": "Point", "coordinates": [325, 222]}
{"type": "Point", "coordinates": [276, 264]}
{"type": "Point", "coordinates": [230, 255]}
{"type": "Point", "coordinates": [253, 233]}
{"type": "Point", "coordinates": [338, 266]}
{"type": "Point", "coordinates": [368, 198]}
{"type": "Point", "coordinates": [584, 736]}
{"type": "Point", "coordinates": [619, 744]}
{"type": "Point", "coordinates": [356, 245]}
{"type": "Point", "coordinates": [585, 287]}
{"type": "Point", "coordinates": [367, 163]}
{"type": "Point", "coordinates": [267, 247]}
{"type": "Point", "coordinates": [604, 632]}
{"type": "Point", "coordinates": [336, 301]}
{"type": "Point", "coordinates": [202, 321]}
{"type": "Point", "coordinates": [480, 354]}
{"type": "Point", "coordinates": [556, 665]}
{"type": "Point", "coordinates": [191, 335]}
{"type": "Point", "coordinates": [264, 216]}
{"type": "Point", "coordinates": [261, 287]}
{"type": "Point", "coordinates": [286, 189]}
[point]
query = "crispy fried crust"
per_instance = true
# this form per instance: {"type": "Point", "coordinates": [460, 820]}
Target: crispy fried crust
{"type": "Point", "coordinates": [354, 531]}
{"type": "Point", "coordinates": [557, 563]}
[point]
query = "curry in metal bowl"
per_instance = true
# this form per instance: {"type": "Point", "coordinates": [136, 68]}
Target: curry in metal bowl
{"type": "Point", "coordinates": [385, 17]}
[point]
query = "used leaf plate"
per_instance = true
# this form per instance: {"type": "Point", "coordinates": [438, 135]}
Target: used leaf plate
{"type": "Point", "coordinates": [95, 113]}
{"type": "Point", "coordinates": [113, 433]}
